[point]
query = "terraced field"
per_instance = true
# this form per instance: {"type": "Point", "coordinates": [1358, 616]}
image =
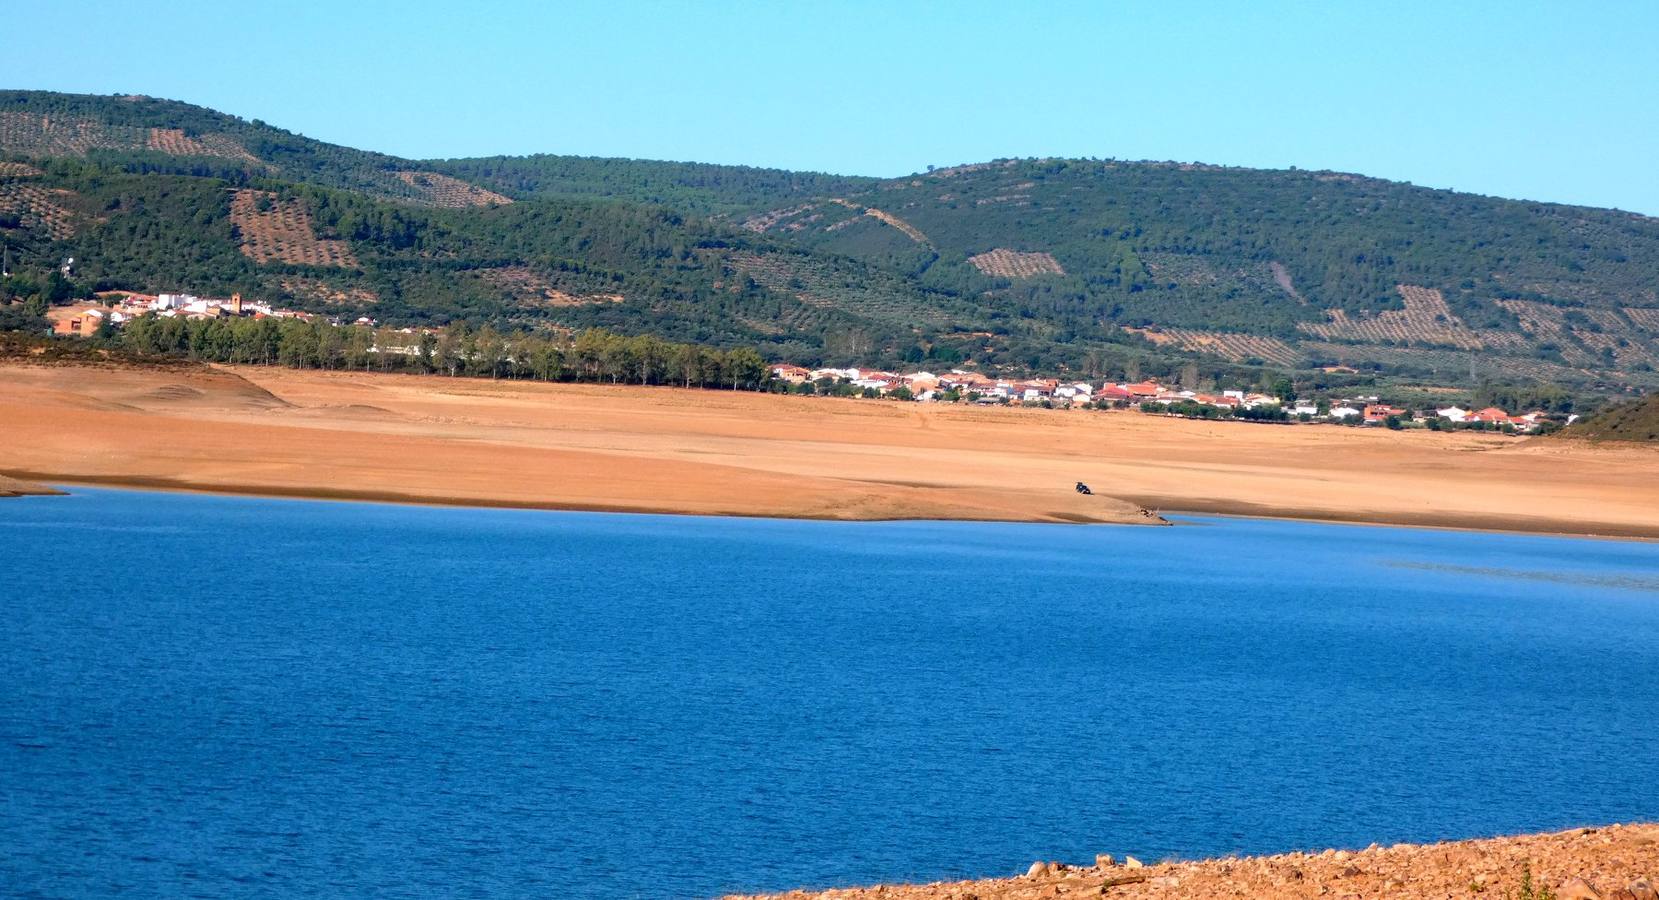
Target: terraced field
{"type": "Point", "coordinates": [282, 232]}
{"type": "Point", "coordinates": [176, 142]}
{"type": "Point", "coordinates": [1449, 364]}
{"type": "Point", "coordinates": [763, 221]}
{"type": "Point", "coordinates": [815, 285]}
{"type": "Point", "coordinates": [1644, 318]}
{"type": "Point", "coordinates": [531, 288]}
{"type": "Point", "coordinates": [18, 170]}
{"type": "Point", "coordinates": [42, 134]}
{"type": "Point", "coordinates": [38, 207]}
{"type": "Point", "coordinates": [909, 230]}
{"type": "Point", "coordinates": [1235, 347]}
{"type": "Point", "coordinates": [442, 190]}
{"type": "Point", "coordinates": [1005, 263]}
{"type": "Point", "coordinates": [1626, 352]}
{"type": "Point", "coordinates": [1583, 335]}
{"type": "Point", "coordinates": [1426, 320]}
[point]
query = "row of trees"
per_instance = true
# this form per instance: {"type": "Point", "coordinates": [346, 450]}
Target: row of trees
{"type": "Point", "coordinates": [592, 355]}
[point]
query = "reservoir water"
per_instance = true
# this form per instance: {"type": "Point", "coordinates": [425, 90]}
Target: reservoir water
{"type": "Point", "coordinates": [221, 696]}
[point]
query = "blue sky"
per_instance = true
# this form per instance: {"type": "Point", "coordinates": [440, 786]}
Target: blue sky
{"type": "Point", "coordinates": [1544, 101]}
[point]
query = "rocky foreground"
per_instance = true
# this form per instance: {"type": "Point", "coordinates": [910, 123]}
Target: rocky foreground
{"type": "Point", "coordinates": [1617, 862]}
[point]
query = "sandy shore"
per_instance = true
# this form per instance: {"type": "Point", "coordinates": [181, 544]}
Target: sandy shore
{"type": "Point", "coordinates": [1618, 861]}
{"type": "Point", "coordinates": [13, 487]}
{"type": "Point", "coordinates": [467, 441]}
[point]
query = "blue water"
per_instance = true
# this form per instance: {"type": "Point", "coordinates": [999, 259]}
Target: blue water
{"type": "Point", "coordinates": [226, 696]}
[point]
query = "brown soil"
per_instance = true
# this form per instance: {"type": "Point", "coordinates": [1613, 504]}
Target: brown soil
{"type": "Point", "coordinates": [1004, 263]}
{"type": "Point", "coordinates": [269, 430]}
{"type": "Point", "coordinates": [1619, 861]}
{"type": "Point", "coordinates": [13, 487]}
{"type": "Point", "coordinates": [1233, 346]}
{"type": "Point", "coordinates": [283, 232]}
{"type": "Point", "coordinates": [443, 190]}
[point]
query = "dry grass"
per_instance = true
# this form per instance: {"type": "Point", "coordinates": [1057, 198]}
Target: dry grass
{"type": "Point", "coordinates": [1005, 263]}
{"type": "Point", "coordinates": [283, 233]}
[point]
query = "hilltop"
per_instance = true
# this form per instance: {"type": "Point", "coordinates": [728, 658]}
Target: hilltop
{"type": "Point", "coordinates": [1091, 266]}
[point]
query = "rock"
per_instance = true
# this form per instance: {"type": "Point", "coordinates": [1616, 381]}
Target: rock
{"type": "Point", "coordinates": [1129, 862]}
{"type": "Point", "coordinates": [1577, 889]}
{"type": "Point", "coordinates": [1104, 861]}
{"type": "Point", "coordinates": [1350, 871]}
{"type": "Point", "coordinates": [1037, 869]}
{"type": "Point", "coordinates": [1340, 855]}
{"type": "Point", "coordinates": [1642, 889]}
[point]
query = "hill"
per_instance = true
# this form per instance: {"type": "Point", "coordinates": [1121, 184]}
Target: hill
{"type": "Point", "coordinates": [1289, 267]}
{"type": "Point", "coordinates": [1634, 421]}
{"type": "Point", "coordinates": [1092, 266]}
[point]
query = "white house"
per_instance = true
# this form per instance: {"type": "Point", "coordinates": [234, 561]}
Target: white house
{"type": "Point", "coordinates": [1453, 413]}
{"type": "Point", "coordinates": [172, 301]}
{"type": "Point", "coordinates": [1343, 412]}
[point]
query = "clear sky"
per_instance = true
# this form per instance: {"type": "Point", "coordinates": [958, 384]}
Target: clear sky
{"type": "Point", "coordinates": [1549, 101]}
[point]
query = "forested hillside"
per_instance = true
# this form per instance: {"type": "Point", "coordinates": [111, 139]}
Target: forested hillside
{"type": "Point", "coordinates": [1290, 267]}
{"type": "Point", "coordinates": [1634, 421]}
{"type": "Point", "coordinates": [1094, 266]}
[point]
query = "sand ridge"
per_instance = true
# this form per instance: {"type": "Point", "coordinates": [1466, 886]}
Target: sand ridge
{"type": "Point", "coordinates": [514, 443]}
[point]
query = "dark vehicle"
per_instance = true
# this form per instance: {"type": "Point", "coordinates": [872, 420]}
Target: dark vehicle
{"type": "Point", "coordinates": [1083, 488]}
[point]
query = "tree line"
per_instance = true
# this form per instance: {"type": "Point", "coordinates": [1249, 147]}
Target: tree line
{"type": "Point", "coordinates": [592, 355]}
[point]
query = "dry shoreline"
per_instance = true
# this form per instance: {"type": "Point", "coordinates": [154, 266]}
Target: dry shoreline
{"type": "Point", "coordinates": [19, 486]}
{"type": "Point", "coordinates": [1616, 862]}
{"type": "Point", "coordinates": [472, 442]}
{"type": "Point", "coordinates": [1161, 507]}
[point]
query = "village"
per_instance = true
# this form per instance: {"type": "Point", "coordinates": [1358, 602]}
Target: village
{"type": "Point", "coordinates": [1149, 396]}
{"type": "Point", "coordinates": [114, 309]}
